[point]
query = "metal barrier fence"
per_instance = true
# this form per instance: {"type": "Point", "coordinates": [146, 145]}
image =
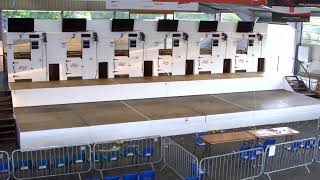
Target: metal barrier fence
{"type": "Point", "coordinates": [56, 161]}
{"type": "Point", "coordinates": [52, 161]}
{"type": "Point", "coordinates": [290, 155]}
{"type": "Point", "coordinates": [4, 166]}
{"type": "Point", "coordinates": [177, 158]}
{"type": "Point", "coordinates": [127, 153]}
{"type": "Point", "coordinates": [246, 164]}
{"type": "Point", "coordinates": [317, 154]}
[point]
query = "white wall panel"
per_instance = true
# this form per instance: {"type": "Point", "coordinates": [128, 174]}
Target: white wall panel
{"type": "Point", "coordinates": [56, 48]}
{"type": "Point", "coordinates": [47, 25]}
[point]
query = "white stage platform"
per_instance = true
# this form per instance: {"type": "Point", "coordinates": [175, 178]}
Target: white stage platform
{"type": "Point", "coordinates": [112, 92]}
{"type": "Point", "coordinates": [160, 116]}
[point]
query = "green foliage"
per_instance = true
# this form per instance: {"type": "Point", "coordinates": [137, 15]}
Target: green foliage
{"type": "Point", "coordinates": [101, 14]}
{"type": "Point", "coordinates": [146, 16]}
{"type": "Point", "coordinates": [88, 14]}
{"type": "Point", "coordinates": [57, 14]}
{"type": "Point", "coordinates": [311, 31]}
{"type": "Point", "coordinates": [122, 15]}
{"type": "Point", "coordinates": [229, 17]}
{"type": "Point", "coordinates": [194, 16]}
{"type": "Point", "coordinates": [32, 14]}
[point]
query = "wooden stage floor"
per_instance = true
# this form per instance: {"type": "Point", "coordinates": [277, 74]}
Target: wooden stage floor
{"type": "Point", "coordinates": [113, 112]}
{"type": "Point", "coordinates": [73, 83]}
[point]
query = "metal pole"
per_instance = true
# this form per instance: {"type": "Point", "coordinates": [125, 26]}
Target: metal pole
{"type": "Point", "coordinates": [309, 83]}
{"type": "Point", "coordinates": [1, 28]}
{"type": "Point", "coordinates": [298, 38]}
{"type": "Point", "coordinates": [318, 133]}
{"type": "Point", "coordinates": [1, 39]}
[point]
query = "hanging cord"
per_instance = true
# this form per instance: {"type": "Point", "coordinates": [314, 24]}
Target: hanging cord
{"type": "Point", "coordinates": [42, 55]}
{"type": "Point", "coordinates": [187, 49]}
{"type": "Point", "coordinates": [46, 58]}
{"type": "Point", "coordinates": [261, 48]}
{"type": "Point", "coordinates": [186, 38]}
{"type": "Point", "coordinates": [143, 57]}
{"type": "Point", "coordinates": [226, 49]}
{"type": "Point", "coordinates": [45, 40]}
{"type": "Point", "coordinates": [97, 62]}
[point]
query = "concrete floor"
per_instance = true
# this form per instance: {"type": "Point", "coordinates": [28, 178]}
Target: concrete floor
{"type": "Point", "coordinates": [72, 83]}
{"type": "Point", "coordinates": [88, 114]}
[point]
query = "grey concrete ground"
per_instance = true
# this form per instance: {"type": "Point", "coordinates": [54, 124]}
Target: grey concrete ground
{"type": "Point", "coordinates": [307, 129]}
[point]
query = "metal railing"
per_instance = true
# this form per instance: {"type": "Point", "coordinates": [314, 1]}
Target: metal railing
{"type": "Point", "coordinates": [51, 161]}
{"type": "Point", "coordinates": [178, 159]}
{"type": "Point", "coordinates": [306, 73]}
{"type": "Point", "coordinates": [127, 153]}
{"type": "Point", "coordinates": [290, 155]}
{"type": "Point", "coordinates": [317, 154]}
{"type": "Point", "coordinates": [5, 168]}
{"type": "Point", "coordinates": [246, 164]}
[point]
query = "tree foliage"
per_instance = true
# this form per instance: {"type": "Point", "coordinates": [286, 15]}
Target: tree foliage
{"type": "Point", "coordinates": [32, 14]}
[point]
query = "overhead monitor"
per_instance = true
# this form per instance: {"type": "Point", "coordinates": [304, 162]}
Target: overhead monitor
{"type": "Point", "coordinates": [245, 26]}
{"type": "Point", "coordinates": [121, 25]}
{"type": "Point", "coordinates": [208, 26]}
{"type": "Point", "coordinates": [167, 25]}
{"type": "Point", "coordinates": [20, 25]}
{"type": "Point", "coordinates": [74, 25]}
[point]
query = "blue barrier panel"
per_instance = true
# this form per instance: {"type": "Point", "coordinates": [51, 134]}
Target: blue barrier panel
{"type": "Point", "coordinates": [5, 168]}
{"type": "Point", "coordinates": [51, 161]}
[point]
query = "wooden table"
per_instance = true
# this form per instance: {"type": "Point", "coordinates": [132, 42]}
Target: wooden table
{"type": "Point", "coordinates": [274, 132]}
{"type": "Point", "coordinates": [228, 137]}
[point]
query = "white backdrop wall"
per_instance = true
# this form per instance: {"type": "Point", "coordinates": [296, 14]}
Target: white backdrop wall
{"type": "Point", "coordinates": [280, 49]}
{"type": "Point", "coordinates": [314, 64]}
{"type": "Point", "coordinates": [54, 51]}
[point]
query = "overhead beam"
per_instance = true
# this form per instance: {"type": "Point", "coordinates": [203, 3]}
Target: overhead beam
{"type": "Point", "coordinates": [208, 9]}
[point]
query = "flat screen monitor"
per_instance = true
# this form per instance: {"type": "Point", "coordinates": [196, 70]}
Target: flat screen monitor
{"type": "Point", "coordinates": [244, 26]}
{"type": "Point", "coordinates": [74, 25]}
{"type": "Point", "coordinates": [167, 25]}
{"type": "Point", "coordinates": [120, 25]}
{"type": "Point", "coordinates": [208, 26]}
{"type": "Point", "coordinates": [20, 25]}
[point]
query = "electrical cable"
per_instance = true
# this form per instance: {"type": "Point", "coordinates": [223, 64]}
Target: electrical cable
{"type": "Point", "coordinates": [46, 54]}
{"type": "Point", "coordinates": [143, 57]}
{"type": "Point", "coordinates": [45, 40]}
{"type": "Point", "coordinates": [42, 58]}
{"type": "Point", "coordinates": [261, 49]}
{"type": "Point", "coordinates": [187, 49]}
{"type": "Point", "coordinates": [97, 62]}
{"type": "Point", "coordinates": [226, 49]}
